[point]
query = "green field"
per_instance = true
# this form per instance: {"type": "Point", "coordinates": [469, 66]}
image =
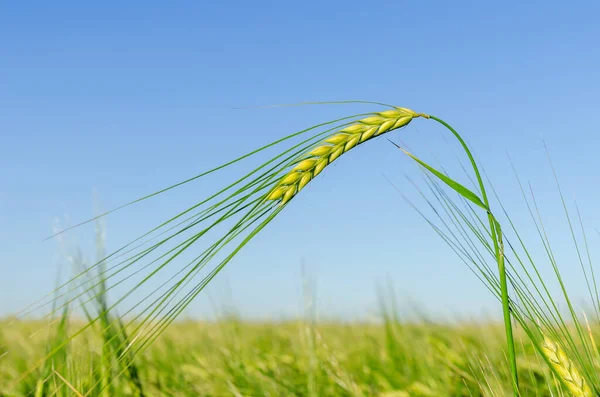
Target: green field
{"type": "Point", "coordinates": [235, 358]}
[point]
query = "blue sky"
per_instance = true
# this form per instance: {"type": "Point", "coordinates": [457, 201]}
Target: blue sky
{"type": "Point", "coordinates": [127, 99]}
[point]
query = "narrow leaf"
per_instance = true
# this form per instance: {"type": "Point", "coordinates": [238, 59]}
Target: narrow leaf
{"type": "Point", "coordinates": [460, 189]}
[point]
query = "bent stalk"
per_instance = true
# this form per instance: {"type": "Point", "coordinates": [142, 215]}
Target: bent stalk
{"type": "Point", "coordinates": [496, 233]}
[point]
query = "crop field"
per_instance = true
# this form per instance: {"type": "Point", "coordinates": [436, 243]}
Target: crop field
{"type": "Point", "coordinates": [234, 358]}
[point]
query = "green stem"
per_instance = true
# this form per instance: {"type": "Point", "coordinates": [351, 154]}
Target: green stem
{"type": "Point", "coordinates": [496, 233]}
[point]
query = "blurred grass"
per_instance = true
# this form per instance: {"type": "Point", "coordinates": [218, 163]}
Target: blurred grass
{"type": "Point", "coordinates": [301, 358]}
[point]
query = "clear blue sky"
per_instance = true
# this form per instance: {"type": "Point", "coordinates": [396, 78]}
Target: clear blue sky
{"type": "Point", "coordinates": [130, 97]}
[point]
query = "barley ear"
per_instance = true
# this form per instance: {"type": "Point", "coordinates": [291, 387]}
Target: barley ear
{"type": "Point", "coordinates": [565, 369]}
{"type": "Point", "coordinates": [337, 144]}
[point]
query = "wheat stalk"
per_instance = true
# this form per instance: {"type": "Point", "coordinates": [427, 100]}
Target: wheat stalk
{"type": "Point", "coordinates": [564, 367]}
{"type": "Point", "coordinates": [338, 144]}
{"type": "Point", "coordinates": [361, 131]}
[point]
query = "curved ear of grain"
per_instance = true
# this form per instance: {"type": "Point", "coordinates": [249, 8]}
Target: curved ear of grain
{"type": "Point", "coordinates": [334, 146]}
